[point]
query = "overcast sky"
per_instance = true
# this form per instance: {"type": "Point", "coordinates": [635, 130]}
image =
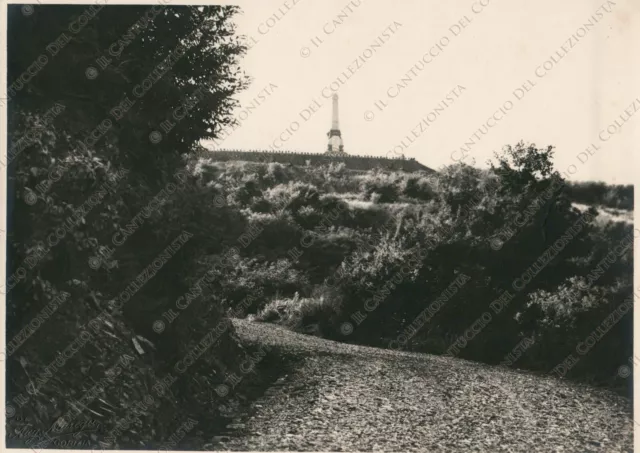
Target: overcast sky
{"type": "Point", "coordinates": [367, 49]}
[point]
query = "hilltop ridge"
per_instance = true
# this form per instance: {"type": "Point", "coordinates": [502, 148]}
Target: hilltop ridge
{"type": "Point", "coordinates": [352, 162]}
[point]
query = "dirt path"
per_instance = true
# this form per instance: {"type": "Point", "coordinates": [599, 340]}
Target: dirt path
{"type": "Point", "coordinates": [343, 397]}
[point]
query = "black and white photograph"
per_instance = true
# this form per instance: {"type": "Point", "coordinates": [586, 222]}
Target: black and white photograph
{"type": "Point", "coordinates": [319, 226]}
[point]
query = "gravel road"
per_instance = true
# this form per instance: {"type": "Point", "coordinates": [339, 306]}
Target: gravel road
{"type": "Point", "coordinates": [342, 397]}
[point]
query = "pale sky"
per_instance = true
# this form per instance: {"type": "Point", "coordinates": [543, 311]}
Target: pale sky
{"type": "Point", "coordinates": [502, 46]}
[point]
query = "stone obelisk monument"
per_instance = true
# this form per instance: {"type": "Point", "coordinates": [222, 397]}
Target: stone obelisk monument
{"type": "Point", "coordinates": [335, 145]}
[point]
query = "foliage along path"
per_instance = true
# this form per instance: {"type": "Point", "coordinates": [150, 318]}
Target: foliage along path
{"type": "Point", "coordinates": [342, 397]}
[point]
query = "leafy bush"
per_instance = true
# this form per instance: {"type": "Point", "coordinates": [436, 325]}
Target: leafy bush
{"type": "Point", "coordinates": [381, 187]}
{"type": "Point", "coordinates": [589, 322]}
{"type": "Point", "coordinates": [240, 278]}
{"type": "Point", "coordinates": [312, 314]}
{"type": "Point", "coordinates": [419, 187]}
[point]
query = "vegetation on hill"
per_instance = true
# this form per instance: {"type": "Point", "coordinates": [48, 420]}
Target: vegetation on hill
{"type": "Point", "coordinates": [492, 265]}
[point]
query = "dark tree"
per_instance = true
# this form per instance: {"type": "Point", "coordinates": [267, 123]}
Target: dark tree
{"type": "Point", "coordinates": [105, 104]}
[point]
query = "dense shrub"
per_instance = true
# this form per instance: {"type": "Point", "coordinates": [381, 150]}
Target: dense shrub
{"type": "Point", "coordinates": [316, 314]}
{"type": "Point", "coordinates": [381, 187]}
{"type": "Point", "coordinates": [237, 279]}
{"type": "Point", "coordinates": [587, 322]}
{"type": "Point", "coordinates": [419, 187]}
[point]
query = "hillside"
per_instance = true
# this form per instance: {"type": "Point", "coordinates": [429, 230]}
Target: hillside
{"type": "Point", "coordinates": [496, 266]}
